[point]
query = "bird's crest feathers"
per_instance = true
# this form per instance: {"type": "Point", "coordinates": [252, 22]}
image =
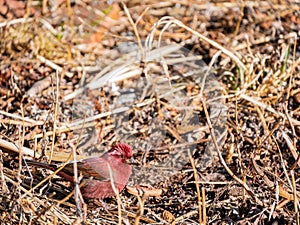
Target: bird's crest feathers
{"type": "Point", "coordinates": [122, 150]}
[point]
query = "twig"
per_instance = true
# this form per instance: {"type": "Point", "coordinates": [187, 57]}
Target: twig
{"type": "Point", "coordinates": [15, 21]}
{"type": "Point", "coordinates": [55, 117]}
{"type": "Point", "coordinates": [117, 194]}
{"type": "Point", "coordinates": [203, 205]}
{"type": "Point", "coordinates": [167, 20]}
{"type": "Point", "coordinates": [140, 212]}
{"type": "Point", "coordinates": [49, 177]}
{"type": "Point", "coordinates": [292, 149]}
{"type": "Point", "coordinates": [135, 30]}
{"type": "Point", "coordinates": [13, 148]}
{"type": "Point", "coordinates": [70, 194]}
{"type": "Point", "coordinates": [187, 215]}
{"type": "Point", "coordinates": [21, 152]}
{"type": "Point", "coordinates": [53, 66]}
{"type": "Point", "coordinates": [197, 187]}
{"type": "Point", "coordinates": [76, 186]}
{"type": "Point", "coordinates": [54, 210]}
{"type": "Point", "coordinates": [78, 197]}
{"type": "Point", "coordinates": [222, 161]}
{"type": "Point", "coordinates": [296, 201]}
{"type": "Point", "coordinates": [282, 192]}
{"type": "Point", "coordinates": [212, 61]}
{"type": "Point", "coordinates": [266, 107]}
{"type": "Point", "coordinates": [28, 121]}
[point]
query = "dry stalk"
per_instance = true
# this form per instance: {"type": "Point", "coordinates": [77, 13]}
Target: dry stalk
{"type": "Point", "coordinates": [55, 211]}
{"type": "Point", "coordinates": [16, 21]}
{"type": "Point", "coordinates": [140, 211]}
{"type": "Point", "coordinates": [21, 152]}
{"type": "Point", "coordinates": [54, 66]}
{"type": "Point", "coordinates": [168, 21]}
{"type": "Point", "coordinates": [187, 215]}
{"type": "Point", "coordinates": [203, 205]}
{"type": "Point", "coordinates": [49, 177]}
{"type": "Point", "coordinates": [266, 107]}
{"type": "Point", "coordinates": [11, 147]}
{"type": "Point", "coordinates": [134, 26]}
{"type": "Point", "coordinates": [222, 161]}
{"type": "Point", "coordinates": [117, 194]}
{"type": "Point", "coordinates": [55, 117]}
{"type": "Point", "coordinates": [285, 171]}
{"type": "Point", "coordinates": [197, 188]}
{"type": "Point", "coordinates": [26, 121]}
{"type": "Point", "coordinates": [296, 201]}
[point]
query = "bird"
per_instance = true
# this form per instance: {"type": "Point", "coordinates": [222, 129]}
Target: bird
{"type": "Point", "coordinates": [97, 172]}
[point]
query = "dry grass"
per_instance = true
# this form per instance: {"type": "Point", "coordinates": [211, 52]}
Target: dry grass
{"type": "Point", "coordinates": [215, 128]}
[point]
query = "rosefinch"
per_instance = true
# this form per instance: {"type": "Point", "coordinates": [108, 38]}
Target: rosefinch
{"type": "Point", "coordinates": [96, 172]}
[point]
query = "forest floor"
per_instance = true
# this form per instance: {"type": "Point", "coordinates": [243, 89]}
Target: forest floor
{"type": "Point", "coordinates": [207, 93]}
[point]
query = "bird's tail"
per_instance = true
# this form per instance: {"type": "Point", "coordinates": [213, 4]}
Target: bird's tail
{"type": "Point", "coordinates": [40, 164]}
{"type": "Point", "coordinates": [53, 167]}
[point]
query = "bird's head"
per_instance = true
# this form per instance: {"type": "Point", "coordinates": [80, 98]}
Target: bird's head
{"type": "Point", "coordinates": [121, 150]}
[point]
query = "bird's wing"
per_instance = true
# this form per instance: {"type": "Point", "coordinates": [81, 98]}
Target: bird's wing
{"type": "Point", "coordinates": [97, 167]}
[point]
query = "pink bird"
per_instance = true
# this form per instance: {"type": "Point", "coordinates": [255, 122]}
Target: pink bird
{"type": "Point", "coordinates": [98, 171]}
